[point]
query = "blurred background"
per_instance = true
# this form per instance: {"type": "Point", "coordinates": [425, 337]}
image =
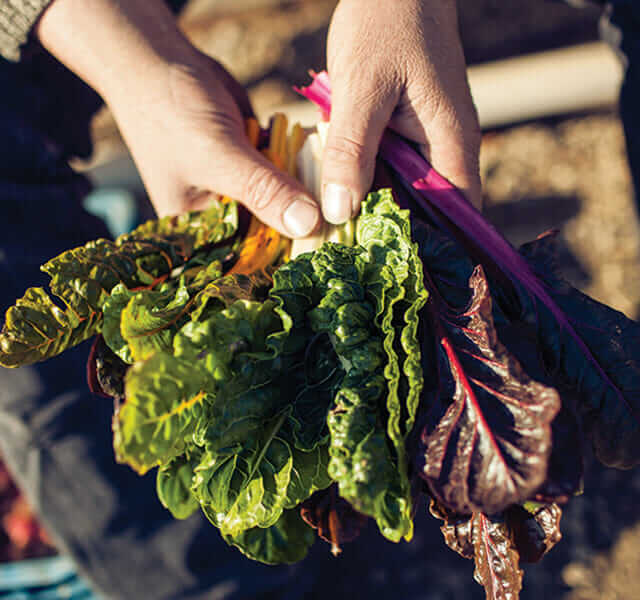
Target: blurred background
{"type": "Point", "coordinates": [553, 156]}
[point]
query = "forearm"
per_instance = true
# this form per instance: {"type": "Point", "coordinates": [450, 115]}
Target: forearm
{"type": "Point", "coordinates": [115, 46]}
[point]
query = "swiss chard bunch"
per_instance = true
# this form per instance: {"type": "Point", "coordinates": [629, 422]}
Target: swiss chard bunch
{"type": "Point", "coordinates": [287, 393]}
{"type": "Point", "coordinates": [250, 393]}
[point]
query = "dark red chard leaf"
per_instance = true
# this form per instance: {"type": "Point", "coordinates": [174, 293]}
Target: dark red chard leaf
{"type": "Point", "coordinates": [334, 519]}
{"type": "Point", "coordinates": [608, 400]}
{"type": "Point", "coordinates": [92, 371]}
{"type": "Point", "coordinates": [448, 266]}
{"type": "Point", "coordinates": [449, 269]}
{"type": "Point", "coordinates": [564, 475]}
{"type": "Point", "coordinates": [534, 530]}
{"type": "Point", "coordinates": [597, 351]}
{"type": "Point", "coordinates": [486, 539]}
{"type": "Point", "coordinates": [105, 371]}
{"type": "Point", "coordinates": [491, 447]}
{"type": "Point", "coordinates": [542, 254]}
{"type": "Point", "coordinates": [496, 558]}
{"type": "Point", "coordinates": [566, 468]}
{"type": "Point", "coordinates": [456, 529]}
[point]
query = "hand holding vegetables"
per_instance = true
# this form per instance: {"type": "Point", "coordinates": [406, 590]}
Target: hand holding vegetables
{"type": "Point", "coordinates": [396, 64]}
{"type": "Point", "coordinates": [179, 111]}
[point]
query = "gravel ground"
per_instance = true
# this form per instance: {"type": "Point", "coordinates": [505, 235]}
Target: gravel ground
{"type": "Point", "coordinates": [570, 175]}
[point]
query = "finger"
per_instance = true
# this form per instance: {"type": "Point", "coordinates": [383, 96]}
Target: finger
{"type": "Point", "coordinates": [442, 118]}
{"type": "Point", "coordinates": [359, 116]}
{"type": "Point", "coordinates": [236, 89]}
{"type": "Point", "coordinates": [200, 199]}
{"type": "Point", "coordinates": [273, 196]}
{"type": "Point", "coordinates": [453, 149]}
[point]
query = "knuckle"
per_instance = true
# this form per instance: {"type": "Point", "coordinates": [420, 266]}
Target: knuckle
{"type": "Point", "coordinates": [341, 150]}
{"type": "Point", "coordinates": [262, 189]}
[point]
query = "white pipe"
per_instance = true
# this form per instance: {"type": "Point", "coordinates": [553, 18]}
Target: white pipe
{"type": "Point", "coordinates": [576, 79]}
{"type": "Point", "coordinates": [569, 80]}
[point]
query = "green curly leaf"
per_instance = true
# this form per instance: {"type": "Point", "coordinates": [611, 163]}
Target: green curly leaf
{"type": "Point", "coordinates": [287, 541]}
{"type": "Point", "coordinates": [367, 473]}
{"type": "Point", "coordinates": [173, 486]}
{"type": "Point", "coordinates": [246, 486]}
{"type": "Point", "coordinates": [385, 231]}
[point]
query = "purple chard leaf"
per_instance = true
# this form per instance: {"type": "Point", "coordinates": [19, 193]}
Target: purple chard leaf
{"type": "Point", "coordinates": [534, 530]}
{"type": "Point", "coordinates": [491, 447]}
{"type": "Point", "coordinates": [334, 519]}
{"type": "Point", "coordinates": [488, 540]}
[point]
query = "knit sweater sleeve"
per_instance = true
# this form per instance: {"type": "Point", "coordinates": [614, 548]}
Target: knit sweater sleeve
{"type": "Point", "coordinates": [17, 17]}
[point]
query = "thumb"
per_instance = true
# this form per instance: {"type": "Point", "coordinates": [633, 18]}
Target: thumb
{"type": "Point", "coordinates": [359, 116]}
{"type": "Point", "coordinates": [274, 197]}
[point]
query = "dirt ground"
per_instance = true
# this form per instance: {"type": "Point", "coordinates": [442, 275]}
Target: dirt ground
{"type": "Point", "coordinates": [568, 174]}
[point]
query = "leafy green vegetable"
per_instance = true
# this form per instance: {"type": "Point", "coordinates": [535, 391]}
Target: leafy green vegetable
{"type": "Point", "coordinates": [113, 307]}
{"type": "Point", "coordinates": [368, 474]}
{"type": "Point", "coordinates": [287, 541]}
{"type": "Point", "coordinates": [279, 395]}
{"type": "Point", "coordinates": [246, 486]}
{"type": "Point", "coordinates": [173, 485]}
{"type": "Point", "coordinates": [37, 328]}
{"type": "Point", "coordinates": [395, 275]}
{"type": "Point", "coordinates": [315, 394]}
{"type": "Point", "coordinates": [165, 399]}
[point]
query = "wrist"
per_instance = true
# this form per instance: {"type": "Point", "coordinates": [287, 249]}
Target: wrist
{"type": "Point", "coordinates": [116, 47]}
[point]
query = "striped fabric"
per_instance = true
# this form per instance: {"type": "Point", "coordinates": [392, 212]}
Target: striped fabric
{"type": "Point", "coordinates": [17, 17]}
{"type": "Point", "coordinates": [43, 579]}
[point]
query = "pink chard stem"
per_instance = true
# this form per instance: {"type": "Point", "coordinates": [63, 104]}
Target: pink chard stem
{"type": "Point", "coordinates": [433, 190]}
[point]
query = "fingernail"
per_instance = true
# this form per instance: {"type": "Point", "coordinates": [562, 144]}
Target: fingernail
{"type": "Point", "coordinates": [336, 203]}
{"type": "Point", "coordinates": [301, 217]}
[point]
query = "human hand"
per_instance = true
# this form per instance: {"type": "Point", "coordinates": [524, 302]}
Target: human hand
{"type": "Point", "coordinates": [397, 64]}
{"type": "Point", "coordinates": [180, 112]}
